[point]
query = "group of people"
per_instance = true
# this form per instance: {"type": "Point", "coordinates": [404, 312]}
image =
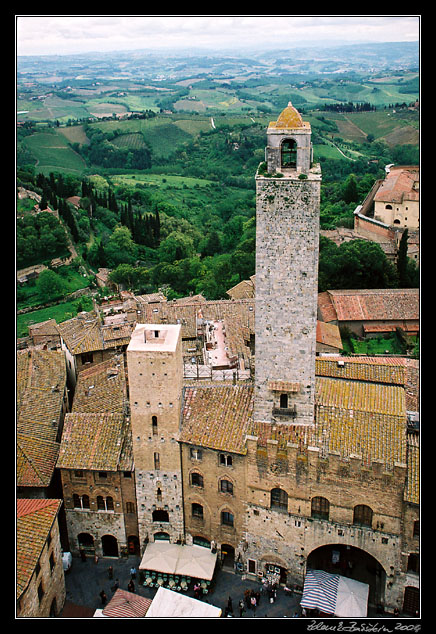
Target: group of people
{"type": "Point", "coordinates": [250, 601]}
{"type": "Point", "coordinates": [116, 585]}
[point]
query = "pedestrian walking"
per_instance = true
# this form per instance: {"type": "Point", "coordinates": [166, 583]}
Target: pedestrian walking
{"type": "Point", "coordinates": [230, 605]}
{"type": "Point", "coordinates": [247, 599]}
{"type": "Point", "coordinates": [253, 602]}
{"type": "Point", "coordinates": [241, 608]}
{"type": "Point", "coordinates": [115, 586]}
{"type": "Point", "coordinates": [82, 554]}
{"type": "Point", "coordinates": [103, 597]}
{"type": "Point", "coordinates": [110, 572]}
{"type": "Point", "coordinates": [131, 586]}
{"type": "Point", "coordinates": [133, 572]}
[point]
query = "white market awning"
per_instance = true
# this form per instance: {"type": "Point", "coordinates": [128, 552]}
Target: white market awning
{"type": "Point", "coordinates": [168, 604]}
{"type": "Point", "coordinates": [334, 594]}
{"type": "Point", "coordinates": [175, 559]}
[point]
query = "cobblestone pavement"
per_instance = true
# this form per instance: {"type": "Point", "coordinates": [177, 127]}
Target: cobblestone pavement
{"type": "Point", "coordinates": [85, 580]}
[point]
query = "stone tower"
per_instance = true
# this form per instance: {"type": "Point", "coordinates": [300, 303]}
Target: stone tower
{"type": "Point", "coordinates": [287, 236]}
{"type": "Point", "coordinates": [155, 369]}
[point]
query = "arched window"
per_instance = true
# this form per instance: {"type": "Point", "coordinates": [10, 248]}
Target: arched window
{"type": "Point", "coordinates": [289, 153]}
{"type": "Point", "coordinates": [320, 508]}
{"type": "Point", "coordinates": [227, 518]}
{"type": "Point", "coordinates": [81, 501]}
{"type": "Point", "coordinates": [388, 206]}
{"type": "Point", "coordinates": [197, 510]}
{"type": "Point", "coordinates": [279, 499]}
{"type": "Point", "coordinates": [362, 515]}
{"type": "Point", "coordinates": [226, 486]}
{"type": "Point", "coordinates": [197, 480]}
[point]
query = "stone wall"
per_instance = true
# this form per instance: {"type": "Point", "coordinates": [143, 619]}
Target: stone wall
{"type": "Point", "coordinates": [287, 238]}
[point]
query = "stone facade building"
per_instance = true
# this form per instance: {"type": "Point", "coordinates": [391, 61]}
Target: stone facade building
{"type": "Point", "coordinates": [96, 464]}
{"type": "Point", "coordinates": [311, 465]}
{"type": "Point", "coordinates": [39, 573]}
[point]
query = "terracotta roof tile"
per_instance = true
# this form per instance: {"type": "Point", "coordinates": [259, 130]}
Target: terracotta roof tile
{"type": "Point", "coordinates": [412, 489]}
{"type": "Point", "coordinates": [34, 521]}
{"type": "Point", "coordinates": [92, 441]}
{"type": "Point", "coordinates": [395, 303]}
{"type": "Point", "coordinates": [217, 416]}
{"type": "Point", "coordinates": [350, 418]}
{"type": "Point", "coordinates": [398, 185]}
{"type": "Point", "coordinates": [101, 388]}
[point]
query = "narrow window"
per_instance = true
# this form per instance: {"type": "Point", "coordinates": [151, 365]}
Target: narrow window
{"type": "Point", "coordinates": [156, 461]}
{"type": "Point", "coordinates": [154, 425]}
{"type": "Point", "coordinates": [320, 508]}
{"type": "Point", "coordinates": [283, 401]}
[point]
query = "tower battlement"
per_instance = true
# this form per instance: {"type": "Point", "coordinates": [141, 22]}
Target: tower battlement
{"type": "Point", "coordinates": [287, 459]}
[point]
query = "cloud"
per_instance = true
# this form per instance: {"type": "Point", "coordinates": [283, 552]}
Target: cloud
{"type": "Point", "coordinates": [38, 35]}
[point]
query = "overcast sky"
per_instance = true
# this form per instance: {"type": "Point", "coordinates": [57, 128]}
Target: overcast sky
{"type": "Point", "coordinates": [62, 35]}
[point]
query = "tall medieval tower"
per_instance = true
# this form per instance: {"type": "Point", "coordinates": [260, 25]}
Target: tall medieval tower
{"type": "Point", "coordinates": [287, 244]}
{"type": "Point", "coordinates": [155, 368]}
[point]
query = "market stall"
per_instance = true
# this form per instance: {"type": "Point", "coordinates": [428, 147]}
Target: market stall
{"type": "Point", "coordinates": [174, 559]}
{"type": "Point", "coordinates": [334, 594]}
{"type": "Point", "coordinates": [168, 604]}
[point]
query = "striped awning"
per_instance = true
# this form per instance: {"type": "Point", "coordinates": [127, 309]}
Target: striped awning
{"type": "Point", "coordinates": [126, 604]}
{"type": "Point", "coordinates": [320, 591]}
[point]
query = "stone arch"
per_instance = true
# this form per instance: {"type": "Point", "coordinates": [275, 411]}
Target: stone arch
{"type": "Point", "coordinates": [354, 562]}
{"type": "Point", "coordinates": [86, 543]}
{"type": "Point", "coordinates": [109, 545]}
{"type": "Point", "coordinates": [288, 152]}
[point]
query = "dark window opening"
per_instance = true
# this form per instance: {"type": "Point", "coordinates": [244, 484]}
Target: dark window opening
{"type": "Point", "coordinates": [289, 153]}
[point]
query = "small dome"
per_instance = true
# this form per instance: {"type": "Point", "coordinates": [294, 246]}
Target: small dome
{"type": "Point", "coordinates": [289, 118]}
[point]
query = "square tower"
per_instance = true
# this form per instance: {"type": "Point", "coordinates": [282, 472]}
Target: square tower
{"type": "Point", "coordinates": [287, 246]}
{"type": "Point", "coordinates": [155, 369]}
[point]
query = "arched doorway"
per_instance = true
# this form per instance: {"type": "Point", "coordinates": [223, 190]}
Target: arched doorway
{"type": "Point", "coordinates": [109, 546]}
{"type": "Point", "coordinates": [133, 545]}
{"type": "Point", "coordinates": [227, 556]}
{"type": "Point", "coordinates": [161, 537]}
{"type": "Point", "coordinates": [353, 562]}
{"type": "Point", "coordinates": [86, 543]}
{"type": "Point", "coordinates": [198, 540]}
